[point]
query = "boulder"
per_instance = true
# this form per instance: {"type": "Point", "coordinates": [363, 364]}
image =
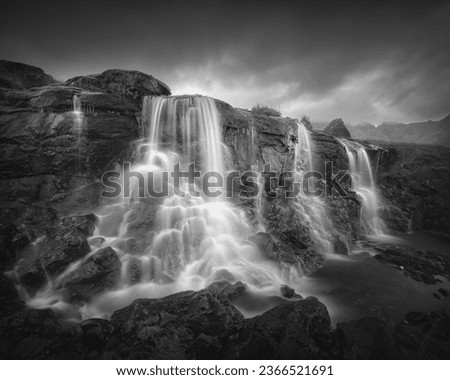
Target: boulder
{"type": "Point", "coordinates": [20, 75]}
{"type": "Point", "coordinates": [62, 248]}
{"type": "Point", "coordinates": [228, 290]}
{"type": "Point", "coordinates": [293, 330]}
{"type": "Point", "coordinates": [32, 276]}
{"type": "Point", "coordinates": [98, 273]}
{"type": "Point", "coordinates": [128, 84]}
{"type": "Point", "coordinates": [337, 128]}
{"type": "Point", "coordinates": [186, 325]}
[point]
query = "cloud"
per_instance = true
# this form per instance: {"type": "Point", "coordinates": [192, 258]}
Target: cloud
{"type": "Point", "coordinates": [356, 60]}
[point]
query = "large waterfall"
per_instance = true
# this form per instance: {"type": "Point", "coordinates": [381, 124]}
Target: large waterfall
{"type": "Point", "coordinates": [177, 242]}
{"type": "Point", "coordinates": [363, 184]}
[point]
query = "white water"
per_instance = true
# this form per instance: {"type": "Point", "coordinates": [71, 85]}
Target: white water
{"type": "Point", "coordinates": [183, 242]}
{"type": "Point", "coordinates": [312, 209]}
{"type": "Point", "coordinates": [363, 184]}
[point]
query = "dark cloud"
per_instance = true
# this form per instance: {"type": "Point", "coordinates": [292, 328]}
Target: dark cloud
{"type": "Point", "coordinates": [353, 59]}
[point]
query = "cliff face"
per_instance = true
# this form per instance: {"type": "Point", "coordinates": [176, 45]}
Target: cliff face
{"type": "Point", "coordinates": [53, 159]}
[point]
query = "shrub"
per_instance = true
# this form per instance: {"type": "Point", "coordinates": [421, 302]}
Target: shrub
{"type": "Point", "coordinates": [265, 110]}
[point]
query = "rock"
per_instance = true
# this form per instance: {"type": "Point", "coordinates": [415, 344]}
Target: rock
{"type": "Point", "coordinates": [339, 247]}
{"type": "Point", "coordinates": [125, 83]}
{"type": "Point", "coordinates": [419, 265]}
{"type": "Point", "coordinates": [84, 223]}
{"type": "Point", "coordinates": [27, 334]}
{"type": "Point", "coordinates": [63, 248]}
{"type": "Point", "coordinates": [9, 299]}
{"type": "Point", "coordinates": [443, 291]}
{"type": "Point", "coordinates": [367, 339]}
{"type": "Point", "coordinates": [32, 276]}
{"type": "Point", "coordinates": [98, 273]}
{"type": "Point", "coordinates": [20, 75]}
{"type": "Point", "coordinates": [337, 128]}
{"type": "Point", "coordinates": [11, 242]}
{"type": "Point", "coordinates": [227, 290]}
{"type": "Point", "coordinates": [424, 335]}
{"type": "Point", "coordinates": [87, 340]}
{"type": "Point", "coordinates": [293, 330]}
{"type": "Point", "coordinates": [288, 292]}
{"type": "Point", "coordinates": [186, 325]}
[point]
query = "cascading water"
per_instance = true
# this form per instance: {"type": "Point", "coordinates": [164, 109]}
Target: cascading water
{"type": "Point", "coordinates": [312, 209]}
{"type": "Point", "coordinates": [177, 242]}
{"type": "Point", "coordinates": [363, 184]}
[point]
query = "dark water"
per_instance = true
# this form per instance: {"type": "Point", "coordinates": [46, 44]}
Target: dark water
{"type": "Point", "coordinates": [357, 285]}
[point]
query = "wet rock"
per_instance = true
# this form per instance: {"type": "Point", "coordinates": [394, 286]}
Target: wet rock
{"type": "Point", "coordinates": [337, 128]}
{"type": "Point", "coordinates": [9, 299]}
{"type": "Point", "coordinates": [339, 247]}
{"type": "Point", "coordinates": [293, 330]}
{"type": "Point", "coordinates": [185, 325]}
{"type": "Point", "coordinates": [32, 276]}
{"type": "Point", "coordinates": [288, 292]}
{"type": "Point", "coordinates": [98, 273]}
{"type": "Point", "coordinates": [20, 75]}
{"type": "Point", "coordinates": [419, 265]}
{"type": "Point", "coordinates": [228, 290]}
{"type": "Point", "coordinates": [64, 247]}
{"type": "Point", "coordinates": [367, 339]}
{"type": "Point", "coordinates": [84, 223]}
{"type": "Point", "coordinates": [28, 333]}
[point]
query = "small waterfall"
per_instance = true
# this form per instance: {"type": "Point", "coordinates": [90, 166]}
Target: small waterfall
{"type": "Point", "coordinates": [312, 209]}
{"type": "Point", "coordinates": [76, 104]}
{"type": "Point", "coordinates": [363, 184]}
{"type": "Point", "coordinates": [78, 128]}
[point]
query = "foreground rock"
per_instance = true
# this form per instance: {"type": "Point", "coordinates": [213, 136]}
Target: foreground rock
{"type": "Point", "coordinates": [294, 330]}
{"type": "Point", "coordinates": [205, 325]}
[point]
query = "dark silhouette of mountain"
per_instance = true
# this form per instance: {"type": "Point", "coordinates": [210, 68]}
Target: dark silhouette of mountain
{"type": "Point", "coordinates": [426, 132]}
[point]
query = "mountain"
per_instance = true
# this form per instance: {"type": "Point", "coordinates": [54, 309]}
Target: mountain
{"type": "Point", "coordinates": [426, 132]}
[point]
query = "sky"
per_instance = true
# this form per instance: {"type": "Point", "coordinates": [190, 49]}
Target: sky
{"type": "Point", "coordinates": [358, 60]}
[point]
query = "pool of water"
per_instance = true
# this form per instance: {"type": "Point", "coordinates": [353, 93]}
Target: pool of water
{"type": "Point", "coordinates": [358, 285]}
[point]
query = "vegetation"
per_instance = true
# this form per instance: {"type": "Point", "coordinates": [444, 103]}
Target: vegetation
{"type": "Point", "coordinates": [261, 109]}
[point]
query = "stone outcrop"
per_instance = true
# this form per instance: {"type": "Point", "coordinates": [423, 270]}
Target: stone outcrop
{"type": "Point", "coordinates": [22, 76]}
{"type": "Point", "coordinates": [127, 84]}
{"type": "Point", "coordinates": [337, 128]}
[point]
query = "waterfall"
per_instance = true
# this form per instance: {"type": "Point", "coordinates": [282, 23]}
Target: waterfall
{"type": "Point", "coordinates": [363, 184]}
{"type": "Point", "coordinates": [76, 104]}
{"type": "Point", "coordinates": [312, 209]}
{"type": "Point", "coordinates": [177, 242]}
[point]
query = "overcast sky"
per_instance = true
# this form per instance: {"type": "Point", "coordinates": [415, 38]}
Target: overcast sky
{"type": "Point", "coordinates": [325, 59]}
